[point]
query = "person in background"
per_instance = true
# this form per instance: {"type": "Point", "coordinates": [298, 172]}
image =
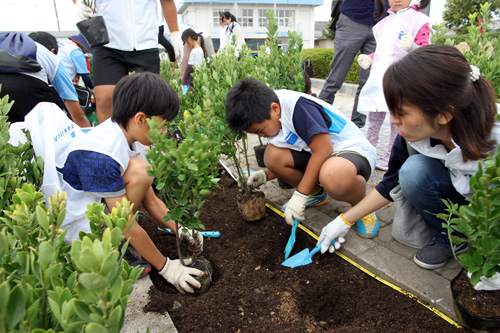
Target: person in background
{"type": "Point", "coordinates": [196, 56]}
{"type": "Point", "coordinates": [268, 49]}
{"type": "Point", "coordinates": [403, 30]}
{"type": "Point", "coordinates": [311, 146]}
{"type": "Point", "coordinates": [75, 61]}
{"type": "Point", "coordinates": [133, 43]}
{"type": "Point", "coordinates": [30, 74]}
{"type": "Point", "coordinates": [445, 114]}
{"type": "Point", "coordinates": [233, 28]}
{"type": "Point", "coordinates": [222, 33]}
{"type": "Point", "coordinates": [354, 34]}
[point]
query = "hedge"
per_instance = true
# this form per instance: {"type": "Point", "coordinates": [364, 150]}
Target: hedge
{"type": "Point", "coordinates": [321, 60]}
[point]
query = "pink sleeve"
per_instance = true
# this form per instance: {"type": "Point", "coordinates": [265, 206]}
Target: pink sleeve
{"type": "Point", "coordinates": [371, 55]}
{"type": "Point", "coordinates": [423, 36]}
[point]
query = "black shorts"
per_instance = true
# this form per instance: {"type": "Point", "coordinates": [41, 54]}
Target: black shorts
{"type": "Point", "coordinates": [301, 158]}
{"type": "Point", "coordinates": [110, 65]}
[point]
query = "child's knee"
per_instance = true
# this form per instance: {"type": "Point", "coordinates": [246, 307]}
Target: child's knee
{"type": "Point", "coordinates": [277, 158]}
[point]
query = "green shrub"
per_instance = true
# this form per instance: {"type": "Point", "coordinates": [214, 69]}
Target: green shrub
{"type": "Point", "coordinates": [483, 48]}
{"type": "Point", "coordinates": [321, 60]}
{"type": "Point", "coordinates": [457, 39]}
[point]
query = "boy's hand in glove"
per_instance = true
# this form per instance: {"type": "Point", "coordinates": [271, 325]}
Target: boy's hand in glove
{"type": "Point", "coordinates": [180, 276]}
{"type": "Point", "coordinates": [187, 234]}
{"type": "Point", "coordinates": [83, 10]}
{"type": "Point", "coordinates": [364, 61]}
{"type": "Point", "coordinates": [295, 207]}
{"type": "Point", "coordinates": [257, 178]}
{"type": "Point", "coordinates": [335, 229]}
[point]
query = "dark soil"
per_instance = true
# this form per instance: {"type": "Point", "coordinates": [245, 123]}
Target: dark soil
{"type": "Point", "coordinates": [484, 304]}
{"type": "Point", "coordinates": [253, 292]}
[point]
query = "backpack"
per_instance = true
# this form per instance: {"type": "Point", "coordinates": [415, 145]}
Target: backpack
{"type": "Point", "coordinates": [336, 4]}
{"type": "Point", "coordinates": [17, 53]}
{"type": "Point", "coordinates": [308, 67]}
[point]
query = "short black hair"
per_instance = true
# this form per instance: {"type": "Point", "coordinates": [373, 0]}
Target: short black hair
{"type": "Point", "coordinates": [247, 102]}
{"type": "Point", "coordinates": [147, 92]}
{"type": "Point", "coordinates": [46, 39]}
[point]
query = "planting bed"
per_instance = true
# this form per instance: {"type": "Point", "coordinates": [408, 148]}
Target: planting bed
{"type": "Point", "coordinates": [253, 292]}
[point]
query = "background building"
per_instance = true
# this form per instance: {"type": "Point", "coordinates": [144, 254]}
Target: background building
{"type": "Point", "coordinates": [293, 15]}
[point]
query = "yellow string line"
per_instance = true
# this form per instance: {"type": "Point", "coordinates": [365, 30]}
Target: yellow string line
{"type": "Point", "coordinates": [387, 283]}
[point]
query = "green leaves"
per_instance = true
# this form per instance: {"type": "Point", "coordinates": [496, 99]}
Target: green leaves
{"type": "Point", "coordinates": [46, 284]}
{"type": "Point", "coordinates": [478, 223]}
{"type": "Point", "coordinates": [184, 167]}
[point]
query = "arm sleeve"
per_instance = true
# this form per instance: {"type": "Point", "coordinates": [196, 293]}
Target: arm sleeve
{"type": "Point", "coordinates": [90, 171]}
{"type": "Point", "coordinates": [62, 83]}
{"type": "Point", "coordinates": [87, 81]}
{"type": "Point", "coordinates": [399, 154]}
{"type": "Point", "coordinates": [310, 119]}
{"type": "Point", "coordinates": [78, 59]}
{"type": "Point", "coordinates": [423, 35]}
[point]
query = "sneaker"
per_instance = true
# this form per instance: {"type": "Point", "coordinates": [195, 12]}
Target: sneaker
{"type": "Point", "coordinates": [436, 255]}
{"type": "Point", "coordinates": [368, 226]}
{"type": "Point", "coordinates": [383, 162]}
{"type": "Point", "coordinates": [318, 199]}
{"type": "Point", "coordinates": [135, 260]}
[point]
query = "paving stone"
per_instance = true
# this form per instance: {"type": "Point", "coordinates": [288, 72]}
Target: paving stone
{"type": "Point", "coordinates": [136, 320]}
{"type": "Point", "coordinates": [423, 283]}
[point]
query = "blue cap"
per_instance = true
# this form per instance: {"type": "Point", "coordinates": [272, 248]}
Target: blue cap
{"type": "Point", "coordinates": [82, 41]}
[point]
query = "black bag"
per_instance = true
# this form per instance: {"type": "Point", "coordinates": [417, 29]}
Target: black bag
{"type": "Point", "coordinates": [336, 4]}
{"type": "Point", "coordinates": [308, 67]}
{"type": "Point", "coordinates": [84, 99]}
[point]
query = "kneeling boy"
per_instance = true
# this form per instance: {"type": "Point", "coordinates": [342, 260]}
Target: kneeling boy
{"type": "Point", "coordinates": [108, 163]}
{"type": "Point", "coordinates": [312, 146]}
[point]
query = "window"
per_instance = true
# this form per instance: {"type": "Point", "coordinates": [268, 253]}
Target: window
{"type": "Point", "coordinates": [216, 16]}
{"type": "Point", "coordinates": [262, 17]}
{"type": "Point", "coordinates": [285, 17]}
{"type": "Point", "coordinates": [246, 19]}
{"type": "Point", "coordinates": [283, 44]}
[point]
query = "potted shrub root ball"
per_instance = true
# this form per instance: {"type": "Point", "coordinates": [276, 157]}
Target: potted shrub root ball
{"type": "Point", "coordinates": [476, 289]}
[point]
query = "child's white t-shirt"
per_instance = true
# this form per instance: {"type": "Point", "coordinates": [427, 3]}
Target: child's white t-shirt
{"type": "Point", "coordinates": [196, 57]}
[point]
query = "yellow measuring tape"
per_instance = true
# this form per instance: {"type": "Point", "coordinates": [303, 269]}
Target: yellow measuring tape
{"type": "Point", "coordinates": [404, 292]}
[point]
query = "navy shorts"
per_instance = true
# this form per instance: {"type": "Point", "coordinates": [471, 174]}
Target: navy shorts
{"type": "Point", "coordinates": [110, 65]}
{"type": "Point", "coordinates": [301, 158]}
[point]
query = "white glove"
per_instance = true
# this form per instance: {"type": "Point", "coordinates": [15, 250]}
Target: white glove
{"type": "Point", "coordinates": [407, 43]}
{"type": "Point", "coordinates": [295, 207]}
{"type": "Point", "coordinates": [181, 276]}
{"type": "Point", "coordinates": [175, 39]}
{"type": "Point", "coordinates": [83, 10]}
{"type": "Point", "coordinates": [364, 61]}
{"type": "Point", "coordinates": [257, 178]}
{"type": "Point", "coordinates": [185, 233]}
{"type": "Point", "coordinates": [335, 229]}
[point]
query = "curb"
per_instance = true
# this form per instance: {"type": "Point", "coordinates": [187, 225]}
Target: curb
{"type": "Point", "coordinates": [347, 88]}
